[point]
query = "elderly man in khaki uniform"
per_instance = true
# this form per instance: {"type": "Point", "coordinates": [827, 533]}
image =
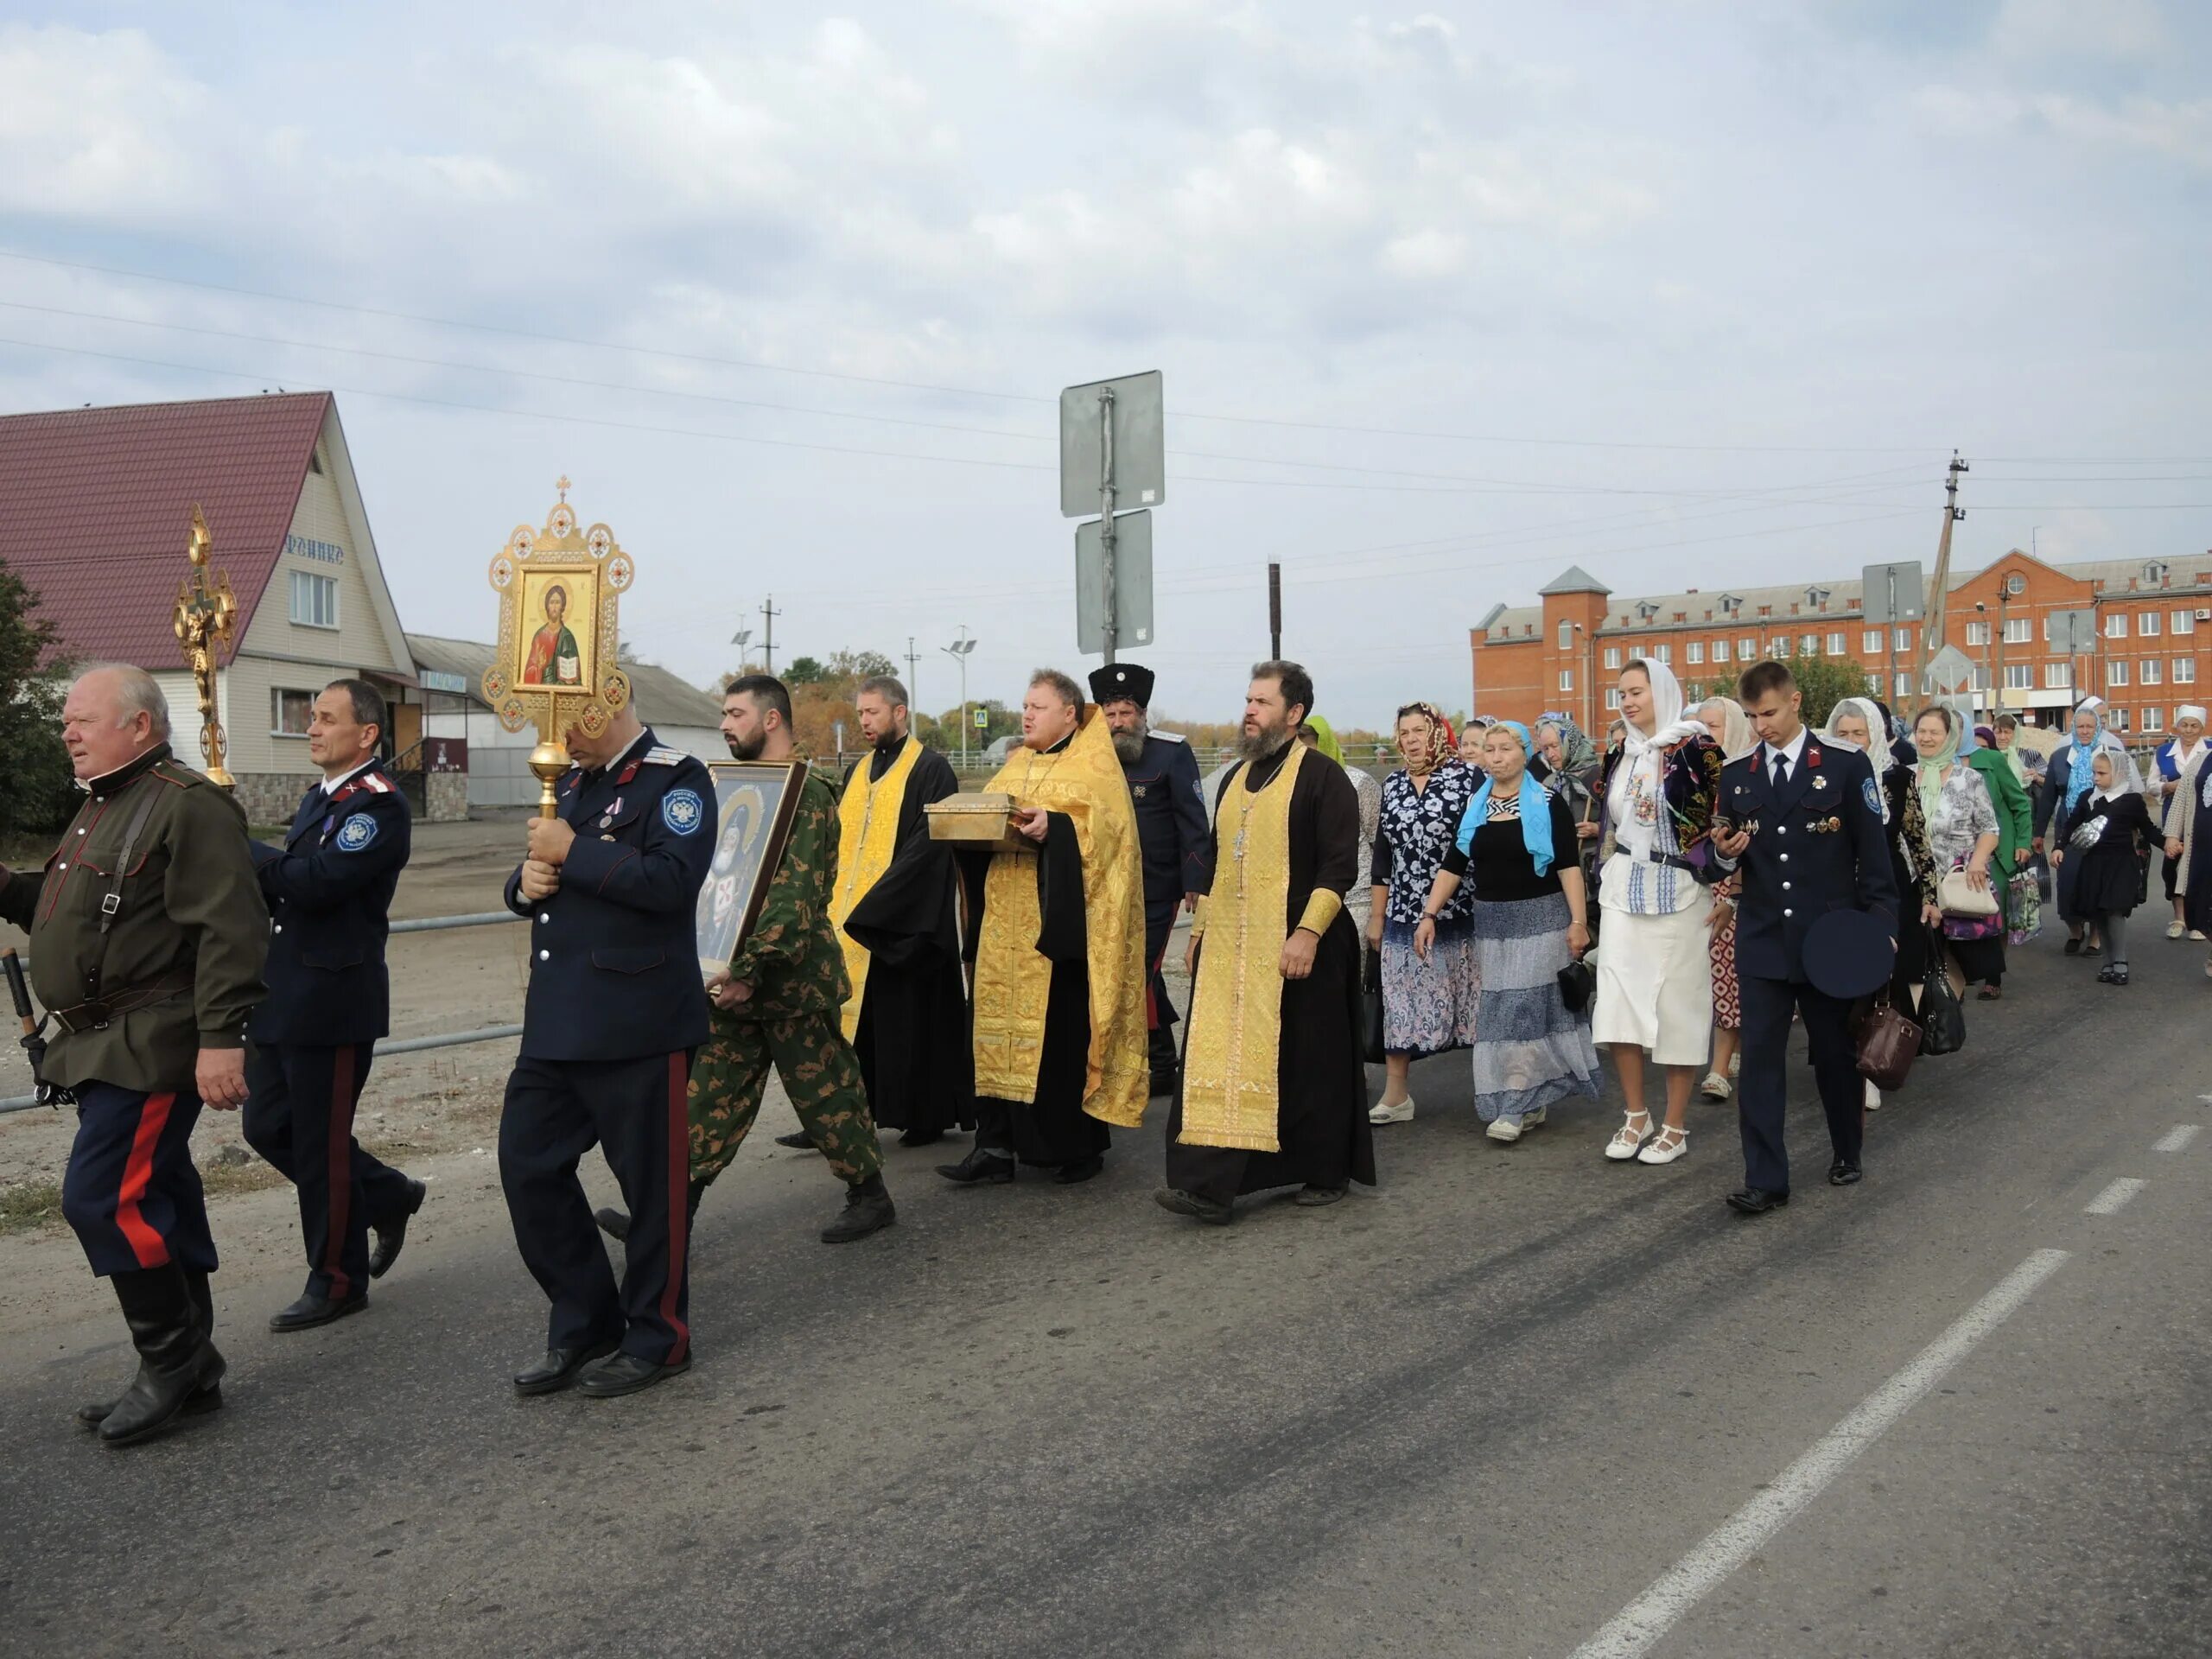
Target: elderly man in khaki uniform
{"type": "Point", "coordinates": [147, 936]}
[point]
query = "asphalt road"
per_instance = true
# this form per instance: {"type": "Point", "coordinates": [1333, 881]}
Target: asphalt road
{"type": "Point", "coordinates": [1481, 1411]}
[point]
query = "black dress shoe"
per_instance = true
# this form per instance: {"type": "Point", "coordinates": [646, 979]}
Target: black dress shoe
{"type": "Point", "coordinates": [391, 1234]}
{"type": "Point", "coordinates": [1164, 1083]}
{"type": "Point", "coordinates": [798, 1140]}
{"type": "Point", "coordinates": [1209, 1210]}
{"type": "Point", "coordinates": [559, 1368]}
{"type": "Point", "coordinates": [628, 1373]}
{"type": "Point", "coordinates": [1756, 1201]}
{"type": "Point", "coordinates": [867, 1209]}
{"type": "Point", "coordinates": [312, 1310]}
{"type": "Point", "coordinates": [921, 1137]}
{"type": "Point", "coordinates": [1844, 1173]}
{"type": "Point", "coordinates": [1313, 1197]}
{"type": "Point", "coordinates": [1078, 1172]}
{"type": "Point", "coordinates": [979, 1166]}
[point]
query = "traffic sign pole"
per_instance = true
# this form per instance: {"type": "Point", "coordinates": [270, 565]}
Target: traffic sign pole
{"type": "Point", "coordinates": [1106, 536]}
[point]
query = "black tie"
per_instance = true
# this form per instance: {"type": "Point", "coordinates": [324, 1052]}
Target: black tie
{"type": "Point", "coordinates": [1780, 771]}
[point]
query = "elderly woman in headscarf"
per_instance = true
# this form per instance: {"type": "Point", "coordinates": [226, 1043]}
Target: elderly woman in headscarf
{"type": "Point", "coordinates": [1428, 1000]}
{"type": "Point", "coordinates": [1570, 760]}
{"type": "Point", "coordinates": [1516, 851]}
{"type": "Point", "coordinates": [1471, 741]}
{"type": "Point", "coordinates": [1962, 836]}
{"type": "Point", "coordinates": [2067, 778]}
{"type": "Point", "coordinates": [1654, 861]}
{"type": "Point", "coordinates": [1731, 728]}
{"type": "Point", "coordinates": [2188, 844]}
{"type": "Point", "coordinates": [2172, 763]}
{"type": "Point", "coordinates": [1316, 733]}
{"type": "Point", "coordinates": [1853, 721]}
{"type": "Point", "coordinates": [2015, 824]}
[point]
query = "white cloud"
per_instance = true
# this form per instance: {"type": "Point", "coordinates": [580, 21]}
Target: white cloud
{"type": "Point", "coordinates": [99, 126]}
{"type": "Point", "coordinates": [2119, 30]}
{"type": "Point", "coordinates": [2182, 131]}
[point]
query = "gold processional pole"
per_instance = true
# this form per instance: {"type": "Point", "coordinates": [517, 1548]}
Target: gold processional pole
{"type": "Point", "coordinates": [555, 662]}
{"type": "Point", "coordinates": [207, 613]}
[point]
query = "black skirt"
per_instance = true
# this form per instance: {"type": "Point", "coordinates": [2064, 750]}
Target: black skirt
{"type": "Point", "coordinates": [2109, 882]}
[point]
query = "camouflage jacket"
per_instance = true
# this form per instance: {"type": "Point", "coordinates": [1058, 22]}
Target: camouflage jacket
{"type": "Point", "coordinates": [791, 958]}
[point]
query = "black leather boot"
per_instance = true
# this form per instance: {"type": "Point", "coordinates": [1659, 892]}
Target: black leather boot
{"type": "Point", "coordinates": [867, 1209]}
{"type": "Point", "coordinates": [174, 1353]}
{"type": "Point", "coordinates": [208, 1396]}
{"type": "Point", "coordinates": [615, 1224]}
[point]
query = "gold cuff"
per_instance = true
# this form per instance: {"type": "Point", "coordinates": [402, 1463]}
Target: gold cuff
{"type": "Point", "coordinates": [1321, 909]}
{"type": "Point", "coordinates": [1198, 917]}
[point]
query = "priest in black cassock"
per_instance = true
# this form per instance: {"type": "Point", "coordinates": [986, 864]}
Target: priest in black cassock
{"type": "Point", "coordinates": [897, 914]}
{"type": "Point", "coordinates": [1274, 1092]}
{"type": "Point", "coordinates": [1059, 982]}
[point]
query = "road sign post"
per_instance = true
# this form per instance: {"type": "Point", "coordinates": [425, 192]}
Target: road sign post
{"type": "Point", "coordinates": [1888, 594]}
{"type": "Point", "coordinates": [2073, 635]}
{"type": "Point", "coordinates": [1113, 447]}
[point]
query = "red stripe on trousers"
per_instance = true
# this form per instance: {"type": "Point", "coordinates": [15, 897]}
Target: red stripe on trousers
{"type": "Point", "coordinates": [338, 1158]}
{"type": "Point", "coordinates": [1150, 1006]}
{"type": "Point", "coordinates": [679, 1183]}
{"type": "Point", "coordinates": [151, 1249]}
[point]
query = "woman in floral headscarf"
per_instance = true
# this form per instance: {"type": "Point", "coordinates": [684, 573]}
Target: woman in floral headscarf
{"type": "Point", "coordinates": [1428, 1003]}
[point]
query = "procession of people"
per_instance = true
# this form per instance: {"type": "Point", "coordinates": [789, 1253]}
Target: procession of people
{"type": "Point", "coordinates": [1722, 873]}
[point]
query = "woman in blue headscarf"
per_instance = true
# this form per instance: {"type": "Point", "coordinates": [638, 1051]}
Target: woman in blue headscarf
{"type": "Point", "coordinates": [1516, 844]}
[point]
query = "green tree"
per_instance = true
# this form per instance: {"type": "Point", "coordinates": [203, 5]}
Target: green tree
{"type": "Point", "coordinates": [40, 792]}
{"type": "Point", "coordinates": [802, 670]}
{"type": "Point", "coordinates": [1823, 681]}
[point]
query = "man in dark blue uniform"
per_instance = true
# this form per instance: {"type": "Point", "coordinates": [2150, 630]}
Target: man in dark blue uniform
{"type": "Point", "coordinates": [1171, 831]}
{"type": "Point", "coordinates": [1803, 821]}
{"type": "Point", "coordinates": [616, 1007]}
{"type": "Point", "coordinates": [329, 889]}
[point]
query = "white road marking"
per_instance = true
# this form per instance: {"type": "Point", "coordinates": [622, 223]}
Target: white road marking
{"type": "Point", "coordinates": [1640, 1625]}
{"type": "Point", "coordinates": [2114, 1198]}
{"type": "Point", "coordinates": [2178, 1137]}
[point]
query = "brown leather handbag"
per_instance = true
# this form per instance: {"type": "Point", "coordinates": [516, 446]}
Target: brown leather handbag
{"type": "Point", "coordinates": [1888, 1041]}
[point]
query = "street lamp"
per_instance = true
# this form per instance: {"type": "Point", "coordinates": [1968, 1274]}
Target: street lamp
{"type": "Point", "coordinates": [741, 638]}
{"type": "Point", "coordinates": [959, 651]}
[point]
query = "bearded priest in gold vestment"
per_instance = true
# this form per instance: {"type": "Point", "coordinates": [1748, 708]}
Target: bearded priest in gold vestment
{"type": "Point", "coordinates": [1273, 1091]}
{"type": "Point", "coordinates": [1059, 984]}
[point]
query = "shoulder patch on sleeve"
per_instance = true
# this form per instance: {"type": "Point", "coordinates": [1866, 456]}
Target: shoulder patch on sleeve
{"type": "Point", "coordinates": [355, 833]}
{"type": "Point", "coordinates": [661, 755]}
{"type": "Point", "coordinates": [682, 811]}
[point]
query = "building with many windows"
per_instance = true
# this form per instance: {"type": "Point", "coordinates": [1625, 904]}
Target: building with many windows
{"type": "Point", "coordinates": [2153, 634]}
{"type": "Point", "coordinates": [95, 508]}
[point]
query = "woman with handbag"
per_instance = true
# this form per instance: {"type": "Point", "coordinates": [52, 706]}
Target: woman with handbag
{"type": "Point", "coordinates": [1655, 863]}
{"type": "Point", "coordinates": [1515, 849]}
{"type": "Point", "coordinates": [2189, 845]}
{"type": "Point", "coordinates": [2107, 838]}
{"type": "Point", "coordinates": [1962, 834]}
{"type": "Point", "coordinates": [1854, 720]}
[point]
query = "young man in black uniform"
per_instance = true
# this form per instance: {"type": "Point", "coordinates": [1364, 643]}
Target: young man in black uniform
{"type": "Point", "coordinates": [1803, 821]}
{"type": "Point", "coordinates": [329, 889]}
{"type": "Point", "coordinates": [616, 1007]}
{"type": "Point", "coordinates": [1171, 831]}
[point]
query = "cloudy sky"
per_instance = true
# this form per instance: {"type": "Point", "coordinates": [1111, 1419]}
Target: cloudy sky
{"type": "Point", "coordinates": [1689, 294]}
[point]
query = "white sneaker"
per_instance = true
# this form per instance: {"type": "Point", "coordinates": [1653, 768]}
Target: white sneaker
{"type": "Point", "coordinates": [1665, 1147]}
{"type": "Point", "coordinates": [1533, 1119]}
{"type": "Point", "coordinates": [2197, 933]}
{"type": "Point", "coordinates": [1401, 1113]}
{"type": "Point", "coordinates": [1873, 1096]}
{"type": "Point", "coordinates": [1505, 1128]}
{"type": "Point", "coordinates": [1736, 1064]}
{"type": "Point", "coordinates": [1715, 1087]}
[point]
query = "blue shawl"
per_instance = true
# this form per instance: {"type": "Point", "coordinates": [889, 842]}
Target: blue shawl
{"type": "Point", "coordinates": [1535, 808]}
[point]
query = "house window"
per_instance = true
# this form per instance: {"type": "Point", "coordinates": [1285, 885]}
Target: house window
{"type": "Point", "coordinates": [1904, 638]}
{"type": "Point", "coordinates": [2019, 676]}
{"type": "Point", "coordinates": [1747, 648]}
{"type": "Point", "coordinates": [1612, 696]}
{"type": "Point", "coordinates": [2116, 625]}
{"type": "Point", "coordinates": [1567, 680]}
{"type": "Point", "coordinates": [2184, 621]}
{"type": "Point", "coordinates": [1696, 650]}
{"type": "Point", "coordinates": [2184, 671]}
{"type": "Point", "coordinates": [2019, 631]}
{"type": "Point", "coordinates": [1567, 636]}
{"type": "Point", "coordinates": [1612, 656]}
{"type": "Point", "coordinates": [2147, 623]}
{"type": "Point", "coordinates": [1904, 688]}
{"type": "Point", "coordinates": [1977, 633]}
{"type": "Point", "coordinates": [2115, 674]}
{"type": "Point", "coordinates": [2154, 671]}
{"type": "Point", "coordinates": [1874, 685]}
{"type": "Point", "coordinates": [2057, 676]}
{"type": "Point", "coordinates": [2118, 717]}
{"type": "Point", "coordinates": [315, 600]}
{"type": "Point", "coordinates": [2154, 720]}
{"type": "Point", "coordinates": [289, 712]}
{"type": "Point", "coordinates": [1667, 655]}
{"type": "Point", "coordinates": [1870, 641]}
{"type": "Point", "coordinates": [1721, 651]}
{"type": "Point", "coordinates": [1835, 645]}
{"type": "Point", "coordinates": [1808, 644]}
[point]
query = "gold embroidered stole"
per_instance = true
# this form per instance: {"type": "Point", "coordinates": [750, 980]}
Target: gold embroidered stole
{"type": "Point", "coordinates": [1013, 980]}
{"type": "Point", "coordinates": [868, 840]}
{"type": "Point", "coordinates": [1232, 1067]}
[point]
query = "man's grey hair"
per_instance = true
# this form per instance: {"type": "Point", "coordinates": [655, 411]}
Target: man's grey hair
{"type": "Point", "coordinates": [886, 686]}
{"type": "Point", "coordinates": [136, 692]}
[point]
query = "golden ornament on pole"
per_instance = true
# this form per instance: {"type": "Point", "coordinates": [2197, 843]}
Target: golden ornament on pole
{"type": "Point", "coordinates": [560, 591]}
{"type": "Point", "coordinates": [207, 613]}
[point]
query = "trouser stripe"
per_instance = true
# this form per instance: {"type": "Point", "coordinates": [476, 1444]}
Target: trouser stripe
{"type": "Point", "coordinates": [679, 1181]}
{"type": "Point", "coordinates": [146, 1244]}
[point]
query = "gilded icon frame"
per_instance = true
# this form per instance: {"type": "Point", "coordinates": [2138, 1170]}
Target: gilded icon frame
{"type": "Point", "coordinates": [766, 795]}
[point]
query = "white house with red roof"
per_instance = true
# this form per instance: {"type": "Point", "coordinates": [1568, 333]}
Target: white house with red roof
{"type": "Point", "coordinates": [95, 506]}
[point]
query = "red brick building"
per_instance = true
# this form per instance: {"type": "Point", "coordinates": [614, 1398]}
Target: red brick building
{"type": "Point", "coordinates": [2154, 638]}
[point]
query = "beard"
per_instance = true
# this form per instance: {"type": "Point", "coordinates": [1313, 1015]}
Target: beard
{"type": "Point", "coordinates": [741, 749]}
{"type": "Point", "coordinates": [890, 740]}
{"type": "Point", "coordinates": [1259, 744]}
{"type": "Point", "coordinates": [1130, 744]}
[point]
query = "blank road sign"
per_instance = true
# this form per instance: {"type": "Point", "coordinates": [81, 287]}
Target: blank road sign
{"type": "Point", "coordinates": [1139, 445]}
{"type": "Point", "coordinates": [1132, 583]}
{"type": "Point", "coordinates": [2074, 633]}
{"type": "Point", "coordinates": [1887, 588]}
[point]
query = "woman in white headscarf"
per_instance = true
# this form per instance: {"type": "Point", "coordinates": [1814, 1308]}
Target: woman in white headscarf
{"type": "Point", "coordinates": [1730, 727]}
{"type": "Point", "coordinates": [2068, 779]}
{"type": "Point", "coordinates": [2174, 771]}
{"type": "Point", "coordinates": [1655, 865]}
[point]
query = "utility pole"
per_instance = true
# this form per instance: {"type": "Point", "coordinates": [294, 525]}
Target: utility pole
{"type": "Point", "coordinates": [768, 642]}
{"type": "Point", "coordinates": [1274, 613]}
{"type": "Point", "coordinates": [1931, 632]}
{"type": "Point", "coordinates": [913, 674]}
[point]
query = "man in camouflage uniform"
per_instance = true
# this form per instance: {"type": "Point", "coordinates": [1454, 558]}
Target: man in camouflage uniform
{"type": "Point", "coordinates": [776, 1003]}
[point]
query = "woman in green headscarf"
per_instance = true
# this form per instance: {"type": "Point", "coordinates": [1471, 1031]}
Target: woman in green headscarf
{"type": "Point", "coordinates": [1316, 733]}
{"type": "Point", "coordinates": [1320, 734]}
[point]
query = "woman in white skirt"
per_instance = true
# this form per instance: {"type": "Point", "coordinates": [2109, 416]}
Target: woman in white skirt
{"type": "Point", "coordinates": [1655, 862]}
